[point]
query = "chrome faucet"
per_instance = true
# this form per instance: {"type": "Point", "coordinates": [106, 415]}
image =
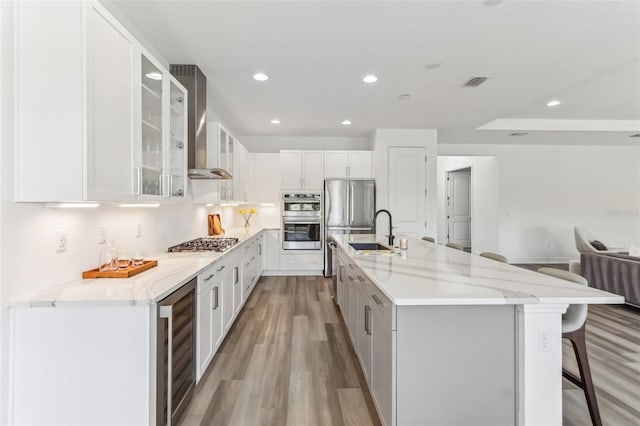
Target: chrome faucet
{"type": "Point", "coordinates": [391, 237]}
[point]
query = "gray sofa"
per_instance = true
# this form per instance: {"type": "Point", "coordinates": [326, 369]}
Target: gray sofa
{"type": "Point", "coordinates": [613, 272]}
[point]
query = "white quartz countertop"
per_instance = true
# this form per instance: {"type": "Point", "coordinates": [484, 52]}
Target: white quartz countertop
{"type": "Point", "coordinates": [172, 272]}
{"type": "Point", "coordinates": [432, 274]}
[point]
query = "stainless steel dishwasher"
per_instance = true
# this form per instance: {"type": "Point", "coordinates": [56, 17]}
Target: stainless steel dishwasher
{"type": "Point", "coordinates": [176, 366]}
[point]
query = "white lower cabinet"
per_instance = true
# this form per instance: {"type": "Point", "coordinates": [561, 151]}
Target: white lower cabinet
{"type": "Point", "coordinates": [209, 323]}
{"type": "Point", "coordinates": [273, 250]}
{"type": "Point", "coordinates": [368, 315]}
{"type": "Point", "coordinates": [301, 261]}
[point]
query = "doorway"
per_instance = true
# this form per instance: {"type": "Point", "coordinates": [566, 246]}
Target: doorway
{"type": "Point", "coordinates": [458, 202]}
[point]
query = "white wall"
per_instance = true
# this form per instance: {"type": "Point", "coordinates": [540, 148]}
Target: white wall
{"type": "Point", "coordinates": [546, 190]}
{"type": "Point", "coordinates": [276, 143]}
{"type": "Point", "coordinates": [6, 135]}
{"type": "Point", "coordinates": [485, 227]}
{"type": "Point", "coordinates": [385, 138]}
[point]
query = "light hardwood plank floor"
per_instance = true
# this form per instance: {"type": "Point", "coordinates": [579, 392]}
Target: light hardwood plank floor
{"type": "Point", "coordinates": [286, 361]}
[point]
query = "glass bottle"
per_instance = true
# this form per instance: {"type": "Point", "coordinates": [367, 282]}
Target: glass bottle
{"type": "Point", "coordinates": [107, 257]}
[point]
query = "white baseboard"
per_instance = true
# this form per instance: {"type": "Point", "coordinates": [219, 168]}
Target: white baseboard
{"type": "Point", "coordinates": [291, 273]}
{"type": "Point", "coordinates": [560, 259]}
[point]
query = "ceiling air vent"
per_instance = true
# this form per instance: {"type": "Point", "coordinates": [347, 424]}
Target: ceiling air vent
{"type": "Point", "coordinates": [475, 81]}
{"type": "Point", "coordinates": [637, 135]}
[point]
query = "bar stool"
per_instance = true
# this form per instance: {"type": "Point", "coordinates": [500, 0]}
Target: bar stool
{"type": "Point", "coordinates": [573, 328]}
{"type": "Point", "coordinates": [494, 256]}
{"type": "Point", "coordinates": [455, 246]}
{"type": "Point", "coordinates": [430, 239]}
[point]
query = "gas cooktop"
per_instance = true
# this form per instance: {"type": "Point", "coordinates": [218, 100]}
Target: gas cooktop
{"type": "Point", "coordinates": [205, 244]}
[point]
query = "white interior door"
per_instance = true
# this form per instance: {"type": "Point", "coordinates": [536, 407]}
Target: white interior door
{"type": "Point", "coordinates": [408, 190]}
{"type": "Point", "coordinates": [459, 207]}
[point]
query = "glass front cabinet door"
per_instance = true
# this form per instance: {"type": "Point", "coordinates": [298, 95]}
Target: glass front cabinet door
{"type": "Point", "coordinates": [163, 133]}
{"type": "Point", "coordinates": [177, 150]}
{"type": "Point", "coordinates": [152, 128]}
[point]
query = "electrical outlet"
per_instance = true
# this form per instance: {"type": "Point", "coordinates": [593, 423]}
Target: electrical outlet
{"type": "Point", "coordinates": [544, 340]}
{"type": "Point", "coordinates": [61, 240]}
{"type": "Point", "coordinates": [102, 234]}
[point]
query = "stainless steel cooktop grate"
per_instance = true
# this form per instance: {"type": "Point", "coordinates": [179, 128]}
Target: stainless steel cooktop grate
{"type": "Point", "coordinates": [205, 244]}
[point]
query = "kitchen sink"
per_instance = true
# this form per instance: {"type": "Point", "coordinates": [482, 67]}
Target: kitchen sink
{"type": "Point", "coordinates": [370, 246]}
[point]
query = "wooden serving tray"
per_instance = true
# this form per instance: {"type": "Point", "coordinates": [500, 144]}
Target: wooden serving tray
{"type": "Point", "coordinates": [121, 273]}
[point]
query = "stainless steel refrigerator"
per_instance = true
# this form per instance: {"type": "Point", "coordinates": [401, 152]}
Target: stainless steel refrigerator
{"type": "Point", "coordinates": [349, 207]}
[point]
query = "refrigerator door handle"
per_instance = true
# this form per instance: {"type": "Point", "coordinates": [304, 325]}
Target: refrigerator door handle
{"type": "Point", "coordinates": [350, 203]}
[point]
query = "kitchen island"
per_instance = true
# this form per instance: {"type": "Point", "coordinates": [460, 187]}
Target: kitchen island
{"type": "Point", "coordinates": [445, 337]}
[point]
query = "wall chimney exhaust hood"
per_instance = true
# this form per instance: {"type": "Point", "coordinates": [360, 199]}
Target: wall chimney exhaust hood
{"type": "Point", "coordinates": [196, 84]}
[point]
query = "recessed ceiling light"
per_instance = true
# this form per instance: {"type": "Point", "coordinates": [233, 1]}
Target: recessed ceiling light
{"type": "Point", "coordinates": [260, 77]}
{"type": "Point", "coordinates": [519, 134]}
{"type": "Point", "coordinates": [154, 75]}
{"type": "Point", "coordinates": [275, 121]}
{"type": "Point", "coordinates": [404, 97]}
{"type": "Point", "coordinates": [433, 65]}
{"type": "Point", "coordinates": [346, 123]}
{"type": "Point", "coordinates": [553, 103]}
{"type": "Point", "coordinates": [370, 78]}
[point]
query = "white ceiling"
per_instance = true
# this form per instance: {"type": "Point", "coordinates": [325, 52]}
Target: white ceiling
{"type": "Point", "coordinates": [585, 53]}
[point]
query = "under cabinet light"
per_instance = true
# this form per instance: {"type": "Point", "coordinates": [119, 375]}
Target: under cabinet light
{"type": "Point", "coordinates": [72, 205]}
{"type": "Point", "coordinates": [267, 204]}
{"type": "Point", "coordinates": [209, 204]}
{"type": "Point", "coordinates": [128, 205]}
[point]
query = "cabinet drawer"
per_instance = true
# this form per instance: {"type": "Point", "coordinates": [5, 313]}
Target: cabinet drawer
{"type": "Point", "coordinates": [382, 306]}
{"type": "Point", "coordinates": [301, 262]}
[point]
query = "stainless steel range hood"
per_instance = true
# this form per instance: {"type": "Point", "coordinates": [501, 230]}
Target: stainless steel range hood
{"type": "Point", "coordinates": [196, 84]}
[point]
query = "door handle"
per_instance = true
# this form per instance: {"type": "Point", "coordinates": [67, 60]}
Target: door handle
{"type": "Point", "coordinates": [220, 268]}
{"type": "Point", "coordinates": [367, 322]}
{"type": "Point", "coordinates": [209, 277]}
{"type": "Point", "coordinates": [377, 299]}
{"type": "Point", "coordinates": [235, 275]}
{"type": "Point", "coordinates": [215, 292]}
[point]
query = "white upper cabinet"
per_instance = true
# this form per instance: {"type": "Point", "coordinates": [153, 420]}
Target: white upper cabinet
{"type": "Point", "coordinates": [102, 128]}
{"type": "Point", "coordinates": [301, 170]}
{"type": "Point", "coordinates": [347, 164]}
{"type": "Point", "coordinates": [266, 178]}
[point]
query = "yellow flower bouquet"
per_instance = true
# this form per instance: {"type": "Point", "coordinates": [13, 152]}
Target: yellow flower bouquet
{"type": "Point", "coordinates": [246, 215]}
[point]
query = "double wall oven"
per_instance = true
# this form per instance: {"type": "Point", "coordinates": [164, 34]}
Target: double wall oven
{"type": "Point", "coordinates": [302, 221]}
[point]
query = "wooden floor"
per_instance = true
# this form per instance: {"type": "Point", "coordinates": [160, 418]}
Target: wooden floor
{"type": "Point", "coordinates": [613, 345]}
{"type": "Point", "coordinates": [287, 362]}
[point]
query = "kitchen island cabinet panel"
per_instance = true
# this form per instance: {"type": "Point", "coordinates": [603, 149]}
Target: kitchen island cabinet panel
{"type": "Point", "coordinates": [82, 365]}
{"type": "Point", "coordinates": [442, 368]}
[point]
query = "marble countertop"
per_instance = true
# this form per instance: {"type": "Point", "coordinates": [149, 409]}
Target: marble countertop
{"type": "Point", "coordinates": [173, 271]}
{"type": "Point", "coordinates": [432, 274]}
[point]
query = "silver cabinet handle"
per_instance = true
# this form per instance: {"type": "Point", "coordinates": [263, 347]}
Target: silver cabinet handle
{"type": "Point", "coordinates": [362, 280]}
{"type": "Point", "coordinates": [215, 297]}
{"type": "Point", "coordinates": [367, 316]}
{"type": "Point", "coordinates": [167, 312]}
{"type": "Point", "coordinates": [377, 299]}
{"type": "Point", "coordinates": [220, 268]}
{"type": "Point", "coordinates": [259, 249]}
{"type": "Point", "coordinates": [253, 258]}
{"type": "Point", "coordinates": [209, 277]}
{"type": "Point", "coordinates": [235, 275]}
